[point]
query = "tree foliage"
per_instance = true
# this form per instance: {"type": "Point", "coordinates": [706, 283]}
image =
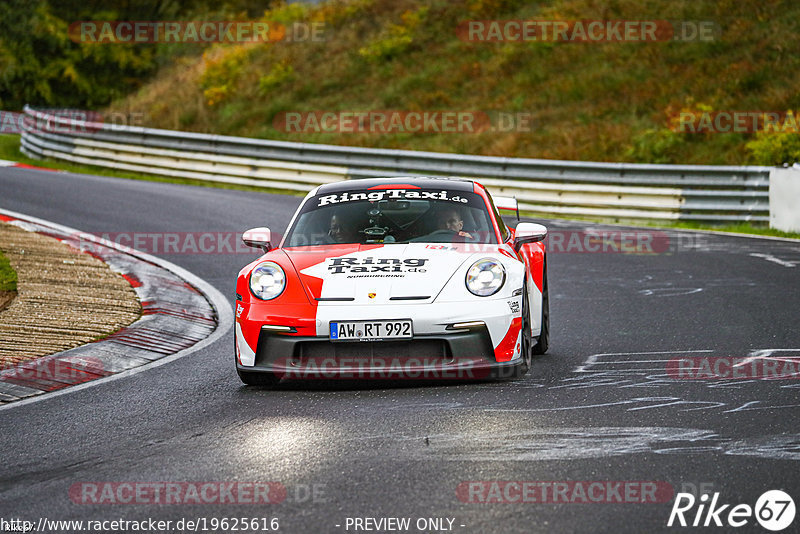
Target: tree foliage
{"type": "Point", "coordinates": [40, 65]}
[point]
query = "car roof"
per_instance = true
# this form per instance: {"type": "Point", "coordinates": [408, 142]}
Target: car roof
{"type": "Point", "coordinates": [423, 182]}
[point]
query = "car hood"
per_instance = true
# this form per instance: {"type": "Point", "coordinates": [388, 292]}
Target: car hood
{"type": "Point", "coordinates": [379, 274]}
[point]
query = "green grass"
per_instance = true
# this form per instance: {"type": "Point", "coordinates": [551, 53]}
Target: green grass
{"type": "Point", "coordinates": [9, 150]}
{"type": "Point", "coordinates": [8, 276]}
{"type": "Point", "coordinates": [736, 228]}
{"type": "Point", "coordinates": [739, 228]}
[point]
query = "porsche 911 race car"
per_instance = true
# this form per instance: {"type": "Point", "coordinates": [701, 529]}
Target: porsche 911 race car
{"type": "Point", "coordinates": [393, 278]}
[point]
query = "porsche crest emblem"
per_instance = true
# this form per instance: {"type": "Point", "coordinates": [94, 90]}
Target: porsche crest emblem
{"type": "Point", "coordinates": [371, 295]}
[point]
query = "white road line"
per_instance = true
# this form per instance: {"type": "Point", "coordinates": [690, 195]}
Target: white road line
{"type": "Point", "coordinates": [773, 259]}
{"type": "Point", "coordinates": [766, 354]}
{"type": "Point", "coordinates": [594, 358]}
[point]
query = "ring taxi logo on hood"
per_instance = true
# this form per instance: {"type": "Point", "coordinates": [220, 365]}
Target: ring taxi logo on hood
{"type": "Point", "coordinates": [399, 194]}
{"type": "Point", "coordinates": [376, 265]}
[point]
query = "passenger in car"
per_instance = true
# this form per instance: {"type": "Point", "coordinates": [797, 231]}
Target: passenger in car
{"type": "Point", "coordinates": [450, 219]}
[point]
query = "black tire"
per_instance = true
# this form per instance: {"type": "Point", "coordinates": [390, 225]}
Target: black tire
{"type": "Point", "coordinates": [527, 340]}
{"type": "Point", "coordinates": [543, 342]}
{"type": "Point", "coordinates": [257, 379]}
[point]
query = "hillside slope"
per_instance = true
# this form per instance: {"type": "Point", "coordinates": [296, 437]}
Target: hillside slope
{"type": "Point", "coordinates": [607, 101]}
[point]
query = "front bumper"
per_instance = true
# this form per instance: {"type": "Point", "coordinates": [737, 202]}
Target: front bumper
{"type": "Point", "coordinates": [465, 354]}
{"type": "Point", "coordinates": [502, 318]}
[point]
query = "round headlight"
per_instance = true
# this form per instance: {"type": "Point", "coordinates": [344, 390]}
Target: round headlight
{"type": "Point", "coordinates": [485, 277]}
{"type": "Point", "coordinates": [267, 281]}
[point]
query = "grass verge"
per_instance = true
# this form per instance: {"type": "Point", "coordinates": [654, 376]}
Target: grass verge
{"type": "Point", "coordinates": [739, 228]}
{"type": "Point", "coordinates": [8, 276]}
{"type": "Point", "coordinates": [736, 228]}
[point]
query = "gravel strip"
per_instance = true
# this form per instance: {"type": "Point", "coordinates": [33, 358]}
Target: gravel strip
{"type": "Point", "coordinates": [65, 298]}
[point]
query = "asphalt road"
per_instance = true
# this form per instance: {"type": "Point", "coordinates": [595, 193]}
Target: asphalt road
{"type": "Point", "coordinates": [600, 406]}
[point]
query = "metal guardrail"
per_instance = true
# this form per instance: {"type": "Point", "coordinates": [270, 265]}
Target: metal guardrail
{"type": "Point", "coordinates": [569, 188]}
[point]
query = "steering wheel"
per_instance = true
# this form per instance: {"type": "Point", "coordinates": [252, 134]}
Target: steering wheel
{"type": "Point", "coordinates": [442, 231]}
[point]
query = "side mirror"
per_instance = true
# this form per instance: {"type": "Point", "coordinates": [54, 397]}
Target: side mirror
{"type": "Point", "coordinates": [258, 238]}
{"type": "Point", "coordinates": [528, 233]}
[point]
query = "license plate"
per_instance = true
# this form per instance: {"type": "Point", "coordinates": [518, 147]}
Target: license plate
{"type": "Point", "coordinates": [371, 330]}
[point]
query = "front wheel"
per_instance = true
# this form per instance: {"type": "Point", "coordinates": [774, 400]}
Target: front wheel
{"type": "Point", "coordinates": [527, 341]}
{"type": "Point", "coordinates": [544, 336]}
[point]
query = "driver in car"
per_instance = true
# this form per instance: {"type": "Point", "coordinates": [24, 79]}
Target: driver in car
{"type": "Point", "coordinates": [450, 219]}
{"type": "Point", "coordinates": [339, 231]}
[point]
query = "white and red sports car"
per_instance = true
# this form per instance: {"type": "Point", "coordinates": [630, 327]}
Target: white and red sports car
{"type": "Point", "coordinates": [393, 278]}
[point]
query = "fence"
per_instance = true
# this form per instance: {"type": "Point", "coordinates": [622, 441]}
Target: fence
{"type": "Point", "coordinates": [566, 188]}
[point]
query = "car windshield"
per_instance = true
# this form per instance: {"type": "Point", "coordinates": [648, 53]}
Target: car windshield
{"type": "Point", "coordinates": [392, 216]}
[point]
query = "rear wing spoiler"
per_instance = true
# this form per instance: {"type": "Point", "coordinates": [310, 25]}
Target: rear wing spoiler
{"type": "Point", "coordinates": [506, 203]}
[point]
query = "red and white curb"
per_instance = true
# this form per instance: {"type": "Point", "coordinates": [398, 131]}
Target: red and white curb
{"type": "Point", "coordinates": [181, 313]}
{"type": "Point", "coordinates": [16, 164]}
